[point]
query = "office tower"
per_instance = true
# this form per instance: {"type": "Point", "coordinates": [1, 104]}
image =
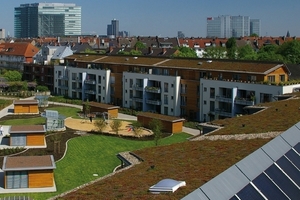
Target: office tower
{"type": "Point", "coordinates": [2, 33]}
{"type": "Point", "coordinates": [240, 26]}
{"type": "Point", "coordinates": [228, 26]}
{"type": "Point", "coordinates": [47, 19]}
{"type": "Point", "coordinates": [255, 26]}
{"type": "Point", "coordinates": [218, 27]}
{"type": "Point", "coordinates": [180, 34]}
{"type": "Point", "coordinates": [113, 29]}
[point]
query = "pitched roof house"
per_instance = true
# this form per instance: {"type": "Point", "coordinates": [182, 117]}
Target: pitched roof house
{"type": "Point", "coordinates": [14, 55]}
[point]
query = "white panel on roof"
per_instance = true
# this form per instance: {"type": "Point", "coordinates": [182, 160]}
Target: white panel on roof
{"type": "Point", "coordinates": [276, 148]}
{"type": "Point", "coordinates": [254, 164]}
{"type": "Point", "coordinates": [292, 135]}
{"type": "Point", "coordinates": [225, 185]}
{"type": "Point", "coordinates": [196, 194]}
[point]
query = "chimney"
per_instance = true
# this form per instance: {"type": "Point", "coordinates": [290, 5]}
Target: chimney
{"type": "Point", "coordinates": [164, 50]}
{"type": "Point", "coordinates": [111, 48]}
{"type": "Point", "coordinates": [150, 51]}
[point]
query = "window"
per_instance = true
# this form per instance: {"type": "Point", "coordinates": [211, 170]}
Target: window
{"type": "Point", "coordinates": [236, 77]}
{"type": "Point", "coordinates": [172, 85]}
{"type": "Point", "coordinates": [204, 102]}
{"type": "Point", "coordinates": [282, 78]}
{"type": "Point", "coordinates": [205, 89]}
{"type": "Point", "coordinates": [165, 99]}
{"type": "Point", "coordinates": [212, 92]}
{"type": "Point", "coordinates": [166, 85]}
{"type": "Point", "coordinates": [172, 97]}
{"type": "Point", "coordinates": [251, 78]}
{"type": "Point", "coordinates": [271, 78]}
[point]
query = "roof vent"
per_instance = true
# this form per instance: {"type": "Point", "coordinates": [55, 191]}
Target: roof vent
{"type": "Point", "coordinates": [209, 61]}
{"type": "Point", "coordinates": [135, 58]}
{"type": "Point", "coordinates": [126, 59]}
{"type": "Point", "coordinates": [199, 63]}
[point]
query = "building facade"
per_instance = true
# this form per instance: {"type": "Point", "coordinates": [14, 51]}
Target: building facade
{"type": "Point", "coordinates": [226, 26]}
{"type": "Point", "coordinates": [113, 29]}
{"type": "Point", "coordinates": [175, 87]}
{"type": "Point", "coordinates": [47, 19]}
{"type": "Point", "coordinates": [255, 26]}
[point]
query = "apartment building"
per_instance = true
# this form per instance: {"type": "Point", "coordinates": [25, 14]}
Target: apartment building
{"type": "Point", "coordinates": [14, 55]}
{"type": "Point", "coordinates": [176, 87]}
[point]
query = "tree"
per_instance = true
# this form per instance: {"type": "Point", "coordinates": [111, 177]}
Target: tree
{"type": "Point", "coordinates": [87, 107]}
{"type": "Point", "coordinates": [42, 88]}
{"type": "Point", "coordinates": [89, 51]}
{"type": "Point", "coordinates": [185, 52]}
{"type": "Point", "coordinates": [115, 126]}
{"type": "Point", "coordinates": [137, 128]}
{"type": "Point", "coordinates": [269, 53]}
{"type": "Point", "coordinates": [139, 45]}
{"type": "Point", "coordinates": [13, 75]}
{"type": "Point", "coordinates": [215, 52]}
{"type": "Point", "coordinates": [246, 53]}
{"type": "Point", "coordinates": [156, 127]}
{"type": "Point", "coordinates": [231, 48]}
{"type": "Point", "coordinates": [100, 125]}
{"type": "Point", "coordinates": [254, 35]}
{"type": "Point", "coordinates": [290, 51]}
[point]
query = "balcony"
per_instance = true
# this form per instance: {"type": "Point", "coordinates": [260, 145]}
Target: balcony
{"type": "Point", "coordinates": [90, 92]}
{"type": "Point", "coordinates": [90, 81]}
{"type": "Point", "coordinates": [153, 102]}
{"type": "Point", "coordinates": [137, 87]}
{"type": "Point", "coordinates": [63, 77]}
{"type": "Point", "coordinates": [244, 101]}
{"type": "Point", "coordinates": [224, 99]}
{"type": "Point", "coordinates": [152, 89]}
{"type": "Point", "coordinates": [65, 87]}
{"type": "Point", "coordinates": [138, 99]}
{"type": "Point", "coordinates": [223, 112]}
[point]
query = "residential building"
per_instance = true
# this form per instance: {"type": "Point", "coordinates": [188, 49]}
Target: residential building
{"type": "Point", "coordinates": [175, 87]}
{"type": "Point", "coordinates": [255, 27]}
{"type": "Point", "coordinates": [14, 55]}
{"type": "Point", "coordinates": [228, 26]}
{"type": "Point", "coordinates": [47, 19]}
{"type": "Point", "coordinates": [52, 53]}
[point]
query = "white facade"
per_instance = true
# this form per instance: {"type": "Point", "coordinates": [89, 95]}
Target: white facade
{"type": "Point", "coordinates": [152, 93]}
{"type": "Point", "coordinates": [92, 84]}
{"type": "Point", "coordinates": [221, 99]}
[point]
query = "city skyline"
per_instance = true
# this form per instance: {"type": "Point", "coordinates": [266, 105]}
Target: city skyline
{"type": "Point", "coordinates": [166, 18]}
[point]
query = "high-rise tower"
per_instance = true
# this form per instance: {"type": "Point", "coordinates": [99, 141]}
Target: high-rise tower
{"type": "Point", "coordinates": [47, 19]}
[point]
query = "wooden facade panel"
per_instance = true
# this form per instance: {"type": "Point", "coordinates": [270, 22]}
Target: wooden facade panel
{"type": "Point", "coordinates": [26, 109]}
{"type": "Point", "coordinates": [168, 126]}
{"type": "Point", "coordinates": [36, 139]}
{"type": "Point", "coordinates": [38, 179]}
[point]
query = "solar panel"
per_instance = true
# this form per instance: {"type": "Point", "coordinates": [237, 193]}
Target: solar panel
{"type": "Point", "coordinates": [293, 157]}
{"type": "Point", "coordinates": [267, 187]}
{"type": "Point", "coordinates": [289, 169]}
{"type": "Point", "coordinates": [249, 192]}
{"type": "Point", "coordinates": [283, 182]}
{"type": "Point", "coordinates": [234, 198]}
{"type": "Point", "coordinates": [297, 147]}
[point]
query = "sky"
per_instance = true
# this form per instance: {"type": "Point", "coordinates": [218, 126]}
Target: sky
{"type": "Point", "coordinates": [165, 18]}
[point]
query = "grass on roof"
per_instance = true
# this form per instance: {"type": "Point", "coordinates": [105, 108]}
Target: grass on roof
{"type": "Point", "coordinates": [278, 116]}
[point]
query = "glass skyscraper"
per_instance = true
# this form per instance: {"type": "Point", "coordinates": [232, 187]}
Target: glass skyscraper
{"type": "Point", "coordinates": [47, 19]}
{"type": "Point", "coordinates": [255, 26]}
{"type": "Point", "coordinates": [113, 28]}
{"type": "Point", "coordinates": [228, 26]}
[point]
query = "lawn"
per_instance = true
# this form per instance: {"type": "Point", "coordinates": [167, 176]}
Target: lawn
{"type": "Point", "coordinates": [94, 154]}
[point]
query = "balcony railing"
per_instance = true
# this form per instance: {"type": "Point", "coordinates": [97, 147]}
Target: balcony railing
{"type": "Point", "coordinates": [152, 89]}
{"type": "Point", "coordinates": [244, 101]}
{"type": "Point", "coordinates": [65, 87]}
{"type": "Point", "coordinates": [90, 81]}
{"type": "Point", "coordinates": [138, 99]}
{"type": "Point", "coordinates": [223, 112]}
{"type": "Point", "coordinates": [224, 99]}
{"type": "Point", "coordinates": [137, 87]}
{"type": "Point", "coordinates": [153, 102]}
{"type": "Point", "coordinates": [63, 77]}
{"type": "Point", "coordinates": [90, 92]}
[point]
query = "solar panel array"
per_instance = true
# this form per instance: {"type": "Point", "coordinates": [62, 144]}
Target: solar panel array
{"type": "Point", "coordinates": [271, 172]}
